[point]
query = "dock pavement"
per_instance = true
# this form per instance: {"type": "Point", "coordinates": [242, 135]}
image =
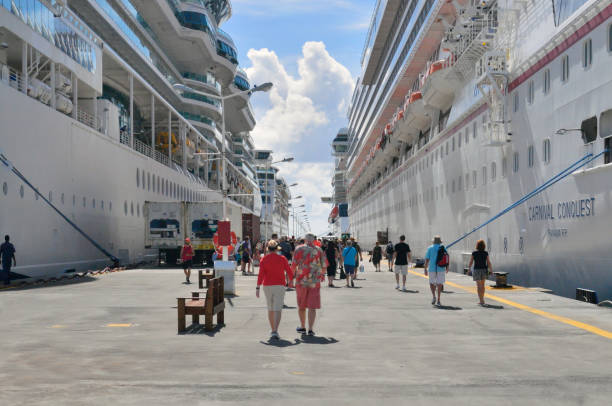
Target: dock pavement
{"type": "Point", "coordinates": [112, 340]}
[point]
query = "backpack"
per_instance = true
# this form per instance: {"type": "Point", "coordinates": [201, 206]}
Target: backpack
{"type": "Point", "coordinates": [389, 249]}
{"type": "Point", "coordinates": [442, 258]}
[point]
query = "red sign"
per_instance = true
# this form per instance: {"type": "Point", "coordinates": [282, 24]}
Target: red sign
{"type": "Point", "coordinates": [223, 229]}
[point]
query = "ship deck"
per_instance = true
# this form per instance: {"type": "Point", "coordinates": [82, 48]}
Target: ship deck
{"type": "Point", "coordinates": [113, 339]}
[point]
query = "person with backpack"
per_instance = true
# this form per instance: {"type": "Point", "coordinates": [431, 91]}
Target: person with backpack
{"type": "Point", "coordinates": [482, 267]}
{"type": "Point", "coordinates": [436, 265]}
{"type": "Point", "coordinates": [376, 256]}
{"type": "Point", "coordinates": [389, 254]}
{"type": "Point", "coordinates": [349, 255]}
{"type": "Point", "coordinates": [244, 249]}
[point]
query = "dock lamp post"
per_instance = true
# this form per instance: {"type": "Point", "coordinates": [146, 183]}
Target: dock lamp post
{"type": "Point", "coordinates": [266, 208]}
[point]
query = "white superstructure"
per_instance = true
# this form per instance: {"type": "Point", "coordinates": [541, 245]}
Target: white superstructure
{"type": "Point", "coordinates": [463, 108]}
{"type": "Point", "coordinates": [107, 104]}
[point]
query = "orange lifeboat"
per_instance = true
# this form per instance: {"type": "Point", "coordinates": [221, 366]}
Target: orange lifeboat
{"type": "Point", "coordinates": [414, 96]}
{"type": "Point", "coordinates": [436, 66]}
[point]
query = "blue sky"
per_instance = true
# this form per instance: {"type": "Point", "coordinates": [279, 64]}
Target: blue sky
{"type": "Point", "coordinates": [310, 50]}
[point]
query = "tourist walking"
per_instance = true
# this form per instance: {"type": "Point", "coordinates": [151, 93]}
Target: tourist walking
{"type": "Point", "coordinates": [245, 255]}
{"type": "Point", "coordinates": [332, 253]}
{"type": "Point", "coordinates": [401, 258]}
{"type": "Point", "coordinates": [7, 252]}
{"type": "Point", "coordinates": [349, 256]}
{"type": "Point", "coordinates": [359, 256]}
{"type": "Point", "coordinates": [389, 255]}
{"type": "Point", "coordinates": [273, 269]}
{"type": "Point", "coordinates": [187, 259]}
{"type": "Point", "coordinates": [482, 268]}
{"type": "Point", "coordinates": [437, 273]}
{"type": "Point", "coordinates": [309, 264]}
{"type": "Point", "coordinates": [377, 256]}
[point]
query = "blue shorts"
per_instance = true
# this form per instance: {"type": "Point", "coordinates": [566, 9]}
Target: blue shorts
{"type": "Point", "coordinates": [349, 269]}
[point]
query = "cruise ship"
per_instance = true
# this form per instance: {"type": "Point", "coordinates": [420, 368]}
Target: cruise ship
{"type": "Point", "coordinates": [107, 104]}
{"type": "Point", "coordinates": [486, 120]}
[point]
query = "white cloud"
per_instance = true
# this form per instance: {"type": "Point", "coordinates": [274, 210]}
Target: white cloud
{"type": "Point", "coordinates": [314, 181]}
{"type": "Point", "coordinates": [298, 105]}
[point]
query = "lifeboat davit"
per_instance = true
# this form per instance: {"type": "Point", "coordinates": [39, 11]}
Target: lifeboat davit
{"type": "Point", "coordinates": [414, 119]}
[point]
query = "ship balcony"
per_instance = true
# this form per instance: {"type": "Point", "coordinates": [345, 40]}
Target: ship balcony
{"type": "Point", "coordinates": [199, 103]}
{"type": "Point", "coordinates": [239, 115]}
{"type": "Point", "coordinates": [440, 85]}
{"type": "Point", "coordinates": [197, 80]}
{"type": "Point", "coordinates": [186, 32]}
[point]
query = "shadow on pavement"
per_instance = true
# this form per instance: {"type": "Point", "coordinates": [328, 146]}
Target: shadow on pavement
{"type": "Point", "coordinates": [289, 307]}
{"type": "Point", "coordinates": [280, 343]}
{"type": "Point", "coordinates": [490, 306]}
{"type": "Point", "coordinates": [47, 284]}
{"type": "Point", "coordinates": [198, 329]}
{"type": "Point", "coordinates": [447, 291]}
{"type": "Point", "coordinates": [318, 340]}
{"type": "Point", "coordinates": [408, 291]}
{"type": "Point", "coordinates": [442, 307]}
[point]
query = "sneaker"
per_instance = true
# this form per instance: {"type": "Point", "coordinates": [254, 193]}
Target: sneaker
{"type": "Point", "coordinates": [397, 287]}
{"type": "Point", "coordinates": [311, 333]}
{"type": "Point", "coordinates": [433, 301]}
{"type": "Point", "coordinates": [301, 330]}
{"type": "Point", "coordinates": [438, 304]}
{"type": "Point", "coordinates": [274, 335]}
{"type": "Point", "coordinates": [352, 285]}
{"type": "Point", "coordinates": [404, 289]}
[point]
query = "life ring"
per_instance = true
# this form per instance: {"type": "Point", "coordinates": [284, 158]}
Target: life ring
{"type": "Point", "coordinates": [230, 249]}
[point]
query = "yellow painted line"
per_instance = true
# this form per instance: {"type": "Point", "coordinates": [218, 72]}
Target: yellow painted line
{"type": "Point", "coordinates": [57, 326]}
{"type": "Point", "coordinates": [565, 320]}
{"type": "Point", "coordinates": [119, 325]}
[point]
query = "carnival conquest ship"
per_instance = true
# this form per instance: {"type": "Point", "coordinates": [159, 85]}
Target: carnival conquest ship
{"type": "Point", "coordinates": [106, 104]}
{"type": "Point", "coordinates": [493, 116]}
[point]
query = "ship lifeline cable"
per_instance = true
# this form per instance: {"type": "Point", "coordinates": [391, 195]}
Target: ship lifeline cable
{"type": "Point", "coordinates": [561, 175]}
{"type": "Point", "coordinates": [4, 160]}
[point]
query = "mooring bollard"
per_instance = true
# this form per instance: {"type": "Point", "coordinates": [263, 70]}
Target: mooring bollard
{"type": "Point", "coordinates": [501, 279]}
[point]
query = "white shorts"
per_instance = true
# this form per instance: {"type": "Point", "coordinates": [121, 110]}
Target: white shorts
{"type": "Point", "coordinates": [437, 278]}
{"type": "Point", "coordinates": [403, 269]}
{"type": "Point", "coordinates": [275, 297]}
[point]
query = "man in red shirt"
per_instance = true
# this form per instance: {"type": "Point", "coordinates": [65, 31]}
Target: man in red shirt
{"type": "Point", "coordinates": [310, 264]}
{"type": "Point", "coordinates": [187, 259]}
{"type": "Point", "coordinates": [272, 270]}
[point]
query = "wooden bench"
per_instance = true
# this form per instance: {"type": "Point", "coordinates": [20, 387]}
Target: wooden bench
{"type": "Point", "coordinates": [205, 275]}
{"type": "Point", "coordinates": [212, 304]}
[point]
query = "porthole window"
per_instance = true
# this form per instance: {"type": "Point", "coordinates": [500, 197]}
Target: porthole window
{"type": "Point", "coordinates": [5, 188]}
{"type": "Point", "coordinates": [62, 198]}
{"type": "Point", "coordinates": [546, 81]}
{"type": "Point", "coordinates": [125, 207]}
{"type": "Point", "coordinates": [565, 70]}
{"type": "Point", "coordinates": [484, 175]}
{"type": "Point", "coordinates": [516, 101]}
{"type": "Point", "coordinates": [587, 53]}
{"type": "Point", "coordinates": [531, 92]}
{"type": "Point", "coordinates": [21, 191]}
{"type": "Point", "coordinates": [137, 177]}
{"type": "Point", "coordinates": [546, 150]}
{"type": "Point", "coordinates": [493, 171]}
{"type": "Point", "coordinates": [516, 162]}
{"type": "Point", "coordinates": [530, 156]}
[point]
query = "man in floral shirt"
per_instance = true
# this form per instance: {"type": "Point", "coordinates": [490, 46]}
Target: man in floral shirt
{"type": "Point", "coordinates": [309, 265]}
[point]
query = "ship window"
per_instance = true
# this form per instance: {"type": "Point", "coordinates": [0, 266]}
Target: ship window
{"type": "Point", "coordinates": [149, 182]}
{"type": "Point", "coordinates": [493, 171]}
{"type": "Point", "coordinates": [587, 53]}
{"type": "Point", "coordinates": [605, 131]}
{"type": "Point", "coordinates": [475, 129]}
{"type": "Point", "coordinates": [153, 176]}
{"type": "Point", "coordinates": [158, 181]}
{"type": "Point", "coordinates": [93, 203]}
{"type": "Point", "coordinates": [530, 156]}
{"type": "Point", "coordinates": [589, 130]}
{"type": "Point", "coordinates": [484, 175]}
{"type": "Point", "coordinates": [84, 202]}
{"type": "Point", "coordinates": [530, 92]}
{"type": "Point", "coordinates": [516, 101]}
{"type": "Point", "coordinates": [21, 192]}
{"type": "Point", "coordinates": [546, 150]}
{"type": "Point", "coordinates": [110, 206]}
{"type": "Point", "coordinates": [546, 81]}
{"type": "Point", "coordinates": [467, 135]}
{"type": "Point", "coordinates": [608, 147]}
{"type": "Point", "coordinates": [62, 198]}
{"type": "Point", "coordinates": [73, 200]}
{"type": "Point", "coordinates": [565, 70]}
{"type": "Point", "coordinates": [459, 141]}
{"type": "Point", "coordinates": [5, 188]}
{"type": "Point", "coordinates": [453, 144]}
{"type": "Point", "coordinates": [132, 208]}
{"type": "Point", "coordinates": [467, 181]}
{"type": "Point", "coordinates": [453, 189]}
{"type": "Point", "coordinates": [102, 204]}
{"type": "Point", "coordinates": [125, 207]}
{"type": "Point", "coordinates": [504, 167]}
{"type": "Point", "coordinates": [138, 209]}
{"type": "Point", "coordinates": [516, 162]}
{"type": "Point", "coordinates": [144, 180]}
{"type": "Point", "coordinates": [137, 177]}
{"type": "Point", "coordinates": [459, 186]}
{"type": "Point", "coordinates": [50, 196]}
{"type": "Point", "coordinates": [474, 179]}
{"type": "Point", "coordinates": [447, 148]}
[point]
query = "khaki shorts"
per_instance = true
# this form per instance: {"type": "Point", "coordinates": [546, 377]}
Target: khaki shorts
{"type": "Point", "coordinates": [403, 269]}
{"type": "Point", "coordinates": [275, 297]}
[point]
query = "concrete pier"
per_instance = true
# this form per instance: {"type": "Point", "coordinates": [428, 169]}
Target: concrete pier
{"type": "Point", "coordinates": [112, 339]}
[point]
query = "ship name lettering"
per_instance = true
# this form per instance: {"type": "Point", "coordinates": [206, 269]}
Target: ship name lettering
{"type": "Point", "coordinates": [565, 210]}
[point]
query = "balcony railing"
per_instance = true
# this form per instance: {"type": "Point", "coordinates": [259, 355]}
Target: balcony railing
{"type": "Point", "coordinates": [207, 79]}
{"type": "Point", "coordinates": [201, 98]}
{"type": "Point", "coordinates": [199, 118]}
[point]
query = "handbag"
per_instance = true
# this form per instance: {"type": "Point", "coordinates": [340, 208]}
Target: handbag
{"type": "Point", "coordinates": [342, 273]}
{"type": "Point", "coordinates": [361, 268]}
